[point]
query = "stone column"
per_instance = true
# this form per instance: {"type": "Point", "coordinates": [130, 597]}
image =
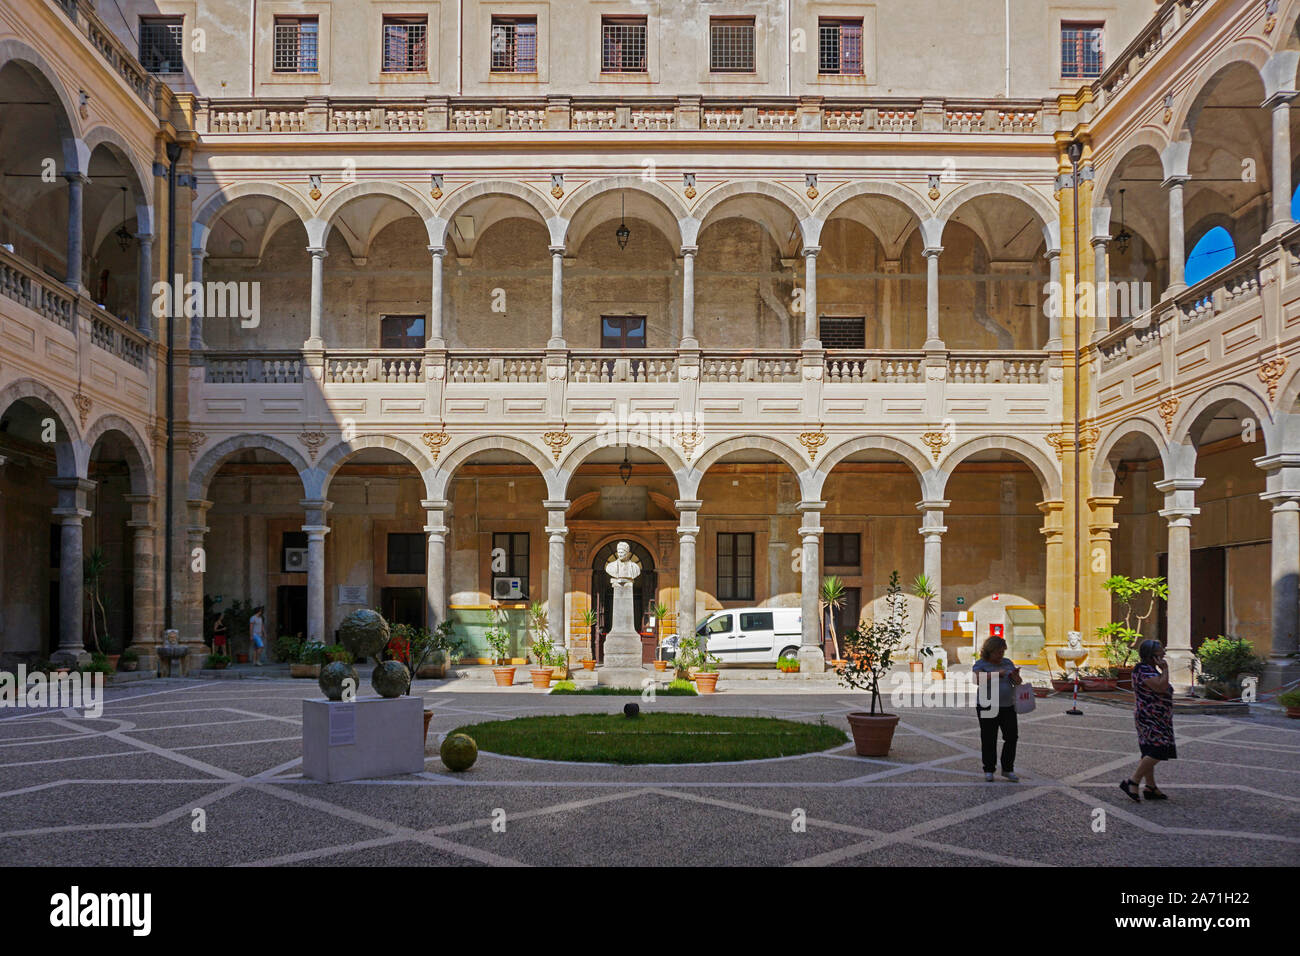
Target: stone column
{"type": "Point", "coordinates": [144, 282]}
{"type": "Point", "coordinates": [810, 651]}
{"type": "Point", "coordinates": [144, 636]}
{"type": "Point", "coordinates": [1180, 508]}
{"type": "Point", "coordinates": [316, 528]}
{"type": "Point", "coordinates": [557, 298]}
{"type": "Point", "coordinates": [556, 617]}
{"type": "Point", "coordinates": [1177, 258]}
{"type": "Point", "coordinates": [76, 183]}
{"type": "Point", "coordinates": [688, 529]}
{"type": "Point", "coordinates": [435, 566]}
{"type": "Point", "coordinates": [71, 512]}
{"type": "Point", "coordinates": [189, 569]}
{"type": "Point", "coordinates": [1094, 598]}
{"type": "Point", "coordinates": [932, 340]}
{"type": "Point", "coordinates": [1058, 579]}
{"type": "Point", "coordinates": [1101, 286]}
{"type": "Point", "coordinates": [434, 337]}
{"type": "Point", "coordinates": [1053, 257]}
{"type": "Point", "coordinates": [1280, 105]}
{"type": "Point", "coordinates": [811, 338]}
{"type": "Point", "coordinates": [688, 298]}
{"type": "Point", "coordinates": [314, 340]}
{"type": "Point", "coordinates": [196, 275]}
{"type": "Point", "coordinates": [1285, 572]}
{"type": "Point", "coordinates": [932, 529]}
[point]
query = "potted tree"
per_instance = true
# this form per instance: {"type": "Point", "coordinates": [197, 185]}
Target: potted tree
{"type": "Point", "coordinates": [830, 597]}
{"type": "Point", "coordinates": [1224, 661]}
{"type": "Point", "coordinates": [588, 621]}
{"type": "Point", "coordinates": [93, 567]}
{"type": "Point", "coordinates": [923, 588]}
{"type": "Point", "coordinates": [1291, 701]}
{"type": "Point", "coordinates": [660, 611]}
{"type": "Point", "coordinates": [706, 678]}
{"type": "Point", "coordinates": [498, 638]}
{"type": "Point", "coordinates": [542, 647]}
{"type": "Point", "coordinates": [1137, 596]}
{"type": "Point", "coordinates": [870, 653]}
{"type": "Point", "coordinates": [310, 657]}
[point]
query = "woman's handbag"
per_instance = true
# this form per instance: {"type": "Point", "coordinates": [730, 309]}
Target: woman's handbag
{"type": "Point", "coordinates": [1024, 698]}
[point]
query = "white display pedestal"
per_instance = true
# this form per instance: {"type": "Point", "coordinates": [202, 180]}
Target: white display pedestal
{"type": "Point", "coordinates": [366, 738]}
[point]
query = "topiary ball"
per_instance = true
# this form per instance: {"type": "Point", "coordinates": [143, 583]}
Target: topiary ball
{"type": "Point", "coordinates": [390, 679]}
{"type": "Point", "coordinates": [631, 710]}
{"type": "Point", "coordinates": [332, 676]}
{"type": "Point", "coordinates": [458, 752]}
{"type": "Point", "coordinates": [364, 633]}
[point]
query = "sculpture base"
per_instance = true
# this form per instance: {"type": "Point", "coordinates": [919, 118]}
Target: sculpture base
{"type": "Point", "coordinates": [622, 666]}
{"type": "Point", "coordinates": [607, 676]}
{"type": "Point", "coordinates": [380, 737]}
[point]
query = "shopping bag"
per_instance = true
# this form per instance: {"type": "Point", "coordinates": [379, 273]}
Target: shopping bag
{"type": "Point", "coordinates": [1024, 698]}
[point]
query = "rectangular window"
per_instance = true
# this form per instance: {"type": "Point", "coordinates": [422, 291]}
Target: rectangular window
{"type": "Point", "coordinates": [406, 553]}
{"type": "Point", "coordinates": [406, 48]}
{"type": "Point", "coordinates": [1081, 50]}
{"type": "Point", "coordinates": [401, 332]}
{"type": "Point", "coordinates": [843, 332]}
{"type": "Point", "coordinates": [839, 47]}
{"type": "Point", "coordinates": [735, 566]}
{"type": "Point", "coordinates": [161, 43]}
{"type": "Point", "coordinates": [842, 551]}
{"type": "Point", "coordinates": [514, 45]}
{"type": "Point", "coordinates": [622, 44]}
{"type": "Point", "coordinates": [622, 331]}
{"type": "Point", "coordinates": [731, 45]}
{"type": "Point", "coordinates": [510, 551]}
{"type": "Point", "coordinates": [295, 45]}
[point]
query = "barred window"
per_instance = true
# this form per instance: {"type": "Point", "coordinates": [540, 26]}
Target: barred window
{"type": "Point", "coordinates": [622, 44]}
{"type": "Point", "coordinates": [735, 567]}
{"type": "Point", "coordinates": [161, 44]}
{"type": "Point", "coordinates": [1081, 50]}
{"type": "Point", "coordinates": [406, 48]}
{"type": "Point", "coordinates": [843, 332]}
{"type": "Point", "coordinates": [295, 45]}
{"type": "Point", "coordinates": [839, 47]}
{"type": "Point", "coordinates": [731, 45]}
{"type": "Point", "coordinates": [514, 45]}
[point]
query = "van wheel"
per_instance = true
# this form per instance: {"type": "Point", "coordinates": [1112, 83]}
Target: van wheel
{"type": "Point", "coordinates": [791, 651]}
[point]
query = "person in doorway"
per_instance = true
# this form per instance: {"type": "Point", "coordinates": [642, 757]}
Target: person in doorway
{"type": "Point", "coordinates": [999, 714]}
{"type": "Point", "coordinates": [255, 627]}
{"type": "Point", "coordinates": [219, 631]}
{"type": "Point", "coordinates": [1153, 713]}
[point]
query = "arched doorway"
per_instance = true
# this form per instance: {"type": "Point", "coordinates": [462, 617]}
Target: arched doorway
{"type": "Point", "coordinates": [643, 595]}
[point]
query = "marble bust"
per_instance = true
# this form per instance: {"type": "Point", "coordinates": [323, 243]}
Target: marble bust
{"type": "Point", "coordinates": [623, 568]}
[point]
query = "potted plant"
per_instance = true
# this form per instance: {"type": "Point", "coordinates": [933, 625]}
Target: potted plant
{"type": "Point", "coordinates": [129, 660]}
{"type": "Point", "coordinates": [216, 662]}
{"type": "Point", "coordinates": [444, 651]}
{"type": "Point", "coordinates": [937, 670]}
{"type": "Point", "coordinates": [1097, 680]}
{"type": "Point", "coordinates": [870, 651]}
{"type": "Point", "coordinates": [285, 649]}
{"type": "Point", "coordinates": [498, 638]}
{"type": "Point", "coordinates": [923, 588]}
{"type": "Point", "coordinates": [310, 657]}
{"type": "Point", "coordinates": [830, 597]}
{"type": "Point", "coordinates": [688, 654]}
{"type": "Point", "coordinates": [1224, 661]}
{"type": "Point", "coordinates": [706, 678]}
{"type": "Point", "coordinates": [1062, 683]}
{"type": "Point", "coordinates": [1137, 596]}
{"type": "Point", "coordinates": [1291, 701]}
{"type": "Point", "coordinates": [93, 567]}
{"type": "Point", "coordinates": [542, 647]}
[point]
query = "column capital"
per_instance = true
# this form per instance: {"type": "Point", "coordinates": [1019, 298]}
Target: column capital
{"type": "Point", "coordinates": [1282, 500]}
{"type": "Point", "coordinates": [688, 504]}
{"type": "Point", "coordinates": [1097, 502]}
{"type": "Point", "coordinates": [317, 252]}
{"type": "Point", "coordinates": [316, 530]}
{"type": "Point", "coordinates": [810, 252]}
{"type": "Point", "coordinates": [933, 504]}
{"type": "Point", "coordinates": [807, 506]}
{"type": "Point", "coordinates": [1102, 241]}
{"type": "Point", "coordinates": [437, 251]}
{"type": "Point", "coordinates": [1177, 180]}
{"type": "Point", "coordinates": [75, 177]}
{"type": "Point", "coordinates": [435, 504]}
{"type": "Point", "coordinates": [556, 250]}
{"type": "Point", "coordinates": [1051, 254]}
{"type": "Point", "coordinates": [1278, 462]}
{"type": "Point", "coordinates": [556, 504]}
{"type": "Point", "coordinates": [690, 250]}
{"type": "Point", "coordinates": [1278, 100]}
{"type": "Point", "coordinates": [931, 252]}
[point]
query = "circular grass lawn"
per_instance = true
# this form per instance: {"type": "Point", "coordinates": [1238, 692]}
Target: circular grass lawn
{"type": "Point", "coordinates": [654, 737]}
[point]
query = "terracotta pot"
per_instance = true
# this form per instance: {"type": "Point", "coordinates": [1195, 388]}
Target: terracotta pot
{"type": "Point", "coordinates": [706, 683]}
{"type": "Point", "coordinates": [428, 715]}
{"type": "Point", "coordinates": [1293, 712]}
{"type": "Point", "coordinates": [661, 665]}
{"type": "Point", "coordinates": [872, 733]}
{"type": "Point", "coordinates": [113, 660]}
{"type": "Point", "coordinates": [541, 676]}
{"type": "Point", "coordinates": [304, 670]}
{"type": "Point", "coordinates": [505, 676]}
{"type": "Point", "coordinates": [434, 671]}
{"type": "Point", "coordinates": [1042, 691]}
{"type": "Point", "coordinates": [242, 658]}
{"type": "Point", "coordinates": [1095, 685]}
{"type": "Point", "coordinates": [916, 667]}
{"type": "Point", "coordinates": [1063, 686]}
{"type": "Point", "coordinates": [588, 665]}
{"type": "Point", "coordinates": [936, 675]}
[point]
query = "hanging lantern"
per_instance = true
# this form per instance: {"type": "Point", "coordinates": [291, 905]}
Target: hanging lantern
{"type": "Point", "coordinates": [1123, 237]}
{"type": "Point", "coordinates": [623, 233]}
{"type": "Point", "coordinates": [124, 237]}
{"type": "Point", "coordinates": [625, 469]}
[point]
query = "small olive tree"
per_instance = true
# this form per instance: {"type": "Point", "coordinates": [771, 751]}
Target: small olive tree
{"type": "Point", "coordinates": [870, 648]}
{"type": "Point", "coordinates": [1137, 596]}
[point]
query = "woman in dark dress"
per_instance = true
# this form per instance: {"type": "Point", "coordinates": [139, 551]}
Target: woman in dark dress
{"type": "Point", "coordinates": [1154, 715]}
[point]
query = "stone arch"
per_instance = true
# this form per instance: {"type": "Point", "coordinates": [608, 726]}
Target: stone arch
{"type": "Point", "coordinates": [791, 201]}
{"type": "Point", "coordinates": [43, 73]}
{"type": "Point", "coordinates": [143, 175]}
{"type": "Point", "coordinates": [1148, 136]}
{"type": "Point", "coordinates": [444, 470]}
{"type": "Point", "coordinates": [1049, 476]}
{"type": "Point", "coordinates": [1288, 420]}
{"type": "Point", "coordinates": [65, 453]}
{"type": "Point", "coordinates": [140, 462]}
{"type": "Point", "coordinates": [1103, 475]}
{"type": "Point", "coordinates": [320, 224]}
{"type": "Point", "coordinates": [912, 456]}
{"type": "Point", "coordinates": [1036, 201]}
{"type": "Point", "coordinates": [206, 467]}
{"type": "Point", "coordinates": [657, 191]}
{"type": "Point", "coordinates": [838, 196]}
{"type": "Point", "coordinates": [1244, 395]}
{"type": "Point", "coordinates": [696, 471]}
{"type": "Point", "coordinates": [463, 196]}
{"type": "Point", "coordinates": [584, 449]}
{"type": "Point", "coordinates": [333, 460]}
{"type": "Point", "coordinates": [1252, 53]}
{"type": "Point", "coordinates": [216, 204]}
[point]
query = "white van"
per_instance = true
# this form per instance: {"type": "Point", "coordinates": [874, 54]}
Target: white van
{"type": "Point", "coordinates": [753, 634]}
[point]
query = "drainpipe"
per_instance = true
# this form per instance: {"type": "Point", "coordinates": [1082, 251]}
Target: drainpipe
{"type": "Point", "coordinates": [1007, 90]}
{"type": "Point", "coordinates": [252, 43]}
{"type": "Point", "coordinates": [789, 38]}
{"type": "Point", "coordinates": [1075, 153]}
{"type": "Point", "coordinates": [173, 154]}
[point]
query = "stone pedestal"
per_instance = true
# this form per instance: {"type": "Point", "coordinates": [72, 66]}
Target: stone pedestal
{"type": "Point", "coordinates": [378, 738]}
{"type": "Point", "coordinates": [622, 667]}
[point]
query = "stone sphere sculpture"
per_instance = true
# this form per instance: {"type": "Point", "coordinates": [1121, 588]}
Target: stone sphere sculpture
{"type": "Point", "coordinates": [364, 633]}
{"type": "Point", "coordinates": [390, 679]}
{"type": "Point", "coordinates": [631, 710]}
{"type": "Point", "coordinates": [332, 676]}
{"type": "Point", "coordinates": [458, 752]}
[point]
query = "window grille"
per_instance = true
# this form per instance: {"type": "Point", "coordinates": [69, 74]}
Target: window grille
{"type": "Point", "coordinates": [623, 45]}
{"type": "Point", "coordinates": [731, 45]}
{"type": "Point", "coordinates": [295, 45]}
{"type": "Point", "coordinates": [161, 44]}
{"type": "Point", "coordinates": [514, 45]}
{"type": "Point", "coordinates": [406, 44]}
{"type": "Point", "coordinates": [1081, 50]}
{"type": "Point", "coordinates": [839, 47]}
